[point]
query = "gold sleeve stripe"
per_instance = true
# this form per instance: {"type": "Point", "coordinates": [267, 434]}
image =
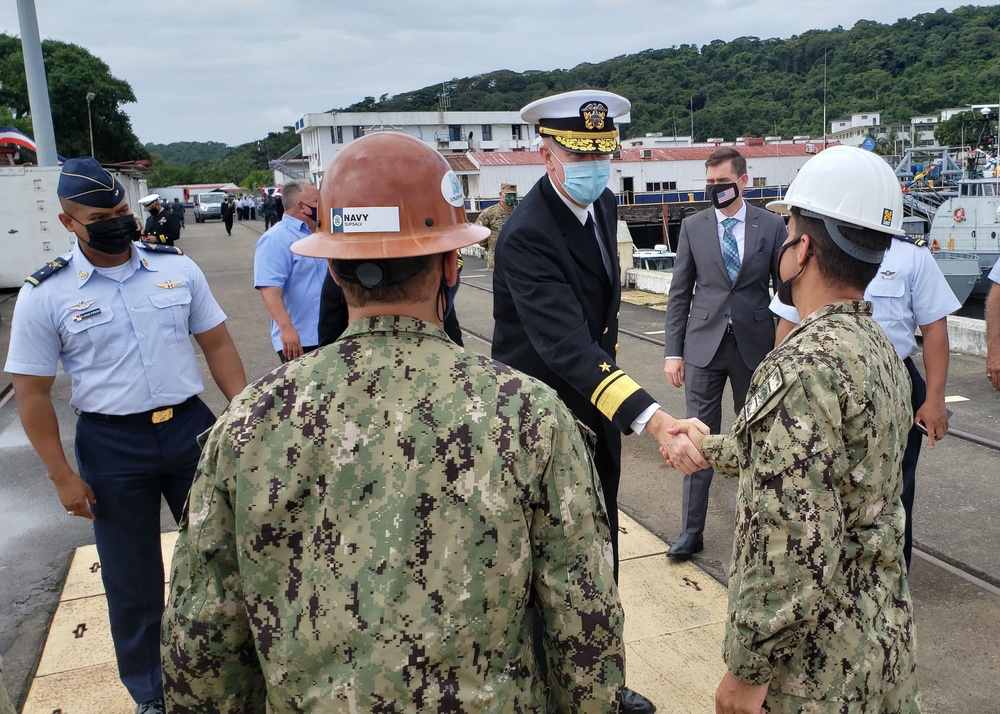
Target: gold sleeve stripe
{"type": "Point", "coordinates": [612, 393]}
{"type": "Point", "coordinates": [604, 385]}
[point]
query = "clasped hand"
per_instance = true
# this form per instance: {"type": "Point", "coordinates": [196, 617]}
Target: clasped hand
{"type": "Point", "coordinates": [680, 441]}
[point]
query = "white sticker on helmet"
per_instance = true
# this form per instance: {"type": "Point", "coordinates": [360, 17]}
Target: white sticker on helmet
{"type": "Point", "coordinates": [451, 189]}
{"type": "Point", "coordinates": [372, 219]}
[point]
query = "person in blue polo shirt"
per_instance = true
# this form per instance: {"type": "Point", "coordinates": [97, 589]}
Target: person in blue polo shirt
{"type": "Point", "coordinates": [117, 314]}
{"type": "Point", "coordinates": [290, 284]}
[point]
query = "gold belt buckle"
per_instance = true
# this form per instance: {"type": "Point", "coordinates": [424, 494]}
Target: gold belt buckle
{"type": "Point", "coordinates": [163, 415]}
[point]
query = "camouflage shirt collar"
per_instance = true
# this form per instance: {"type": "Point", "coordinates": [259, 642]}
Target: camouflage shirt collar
{"type": "Point", "coordinates": [846, 307]}
{"type": "Point", "coordinates": [394, 325]}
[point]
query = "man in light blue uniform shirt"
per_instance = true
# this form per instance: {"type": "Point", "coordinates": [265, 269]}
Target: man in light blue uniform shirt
{"type": "Point", "coordinates": [291, 284]}
{"type": "Point", "coordinates": [909, 291]}
{"type": "Point", "coordinates": [117, 314]}
{"type": "Point", "coordinates": [993, 329]}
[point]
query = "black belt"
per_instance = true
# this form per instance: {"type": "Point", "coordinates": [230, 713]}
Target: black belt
{"type": "Point", "coordinates": [153, 416]}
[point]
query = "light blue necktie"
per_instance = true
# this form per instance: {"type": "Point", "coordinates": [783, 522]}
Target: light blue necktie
{"type": "Point", "coordinates": [730, 253]}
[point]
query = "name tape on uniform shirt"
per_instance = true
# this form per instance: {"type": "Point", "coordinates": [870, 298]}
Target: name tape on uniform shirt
{"type": "Point", "coordinates": [370, 219]}
{"type": "Point", "coordinates": [775, 380]}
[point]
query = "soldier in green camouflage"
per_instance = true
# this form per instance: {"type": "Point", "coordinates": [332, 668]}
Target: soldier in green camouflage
{"type": "Point", "coordinates": [374, 523]}
{"type": "Point", "coordinates": [494, 217]}
{"type": "Point", "coordinates": [820, 617]}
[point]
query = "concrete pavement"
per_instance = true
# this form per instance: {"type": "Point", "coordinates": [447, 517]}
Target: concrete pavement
{"type": "Point", "coordinates": [958, 487]}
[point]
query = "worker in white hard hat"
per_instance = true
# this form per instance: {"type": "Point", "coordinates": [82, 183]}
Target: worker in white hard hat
{"type": "Point", "coordinates": [909, 292]}
{"type": "Point", "coordinates": [819, 606]}
{"type": "Point", "coordinates": [407, 504]}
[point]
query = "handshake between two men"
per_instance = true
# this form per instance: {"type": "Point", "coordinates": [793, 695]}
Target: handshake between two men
{"type": "Point", "coordinates": [680, 441]}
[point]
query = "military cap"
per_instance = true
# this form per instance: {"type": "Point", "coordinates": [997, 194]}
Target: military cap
{"type": "Point", "coordinates": [581, 121]}
{"type": "Point", "coordinates": [508, 188]}
{"type": "Point", "coordinates": [83, 180]}
{"type": "Point", "coordinates": [149, 200]}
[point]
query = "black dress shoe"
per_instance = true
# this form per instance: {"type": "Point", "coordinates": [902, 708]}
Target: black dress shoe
{"type": "Point", "coordinates": [635, 703]}
{"type": "Point", "coordinates": [686, 545]}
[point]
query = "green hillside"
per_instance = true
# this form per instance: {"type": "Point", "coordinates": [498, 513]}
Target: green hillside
{"type": "Point", "coordinates": [757, 87]}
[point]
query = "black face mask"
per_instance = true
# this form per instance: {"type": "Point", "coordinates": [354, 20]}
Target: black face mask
{"type": "Point", "coordinates": [785, 286]}
{"type": "Point", "coordinates": [113, 235]}
{"type": "Point", "coordinates": [313, 212]}
{"type": "Point", "coordinates": [723, 194]}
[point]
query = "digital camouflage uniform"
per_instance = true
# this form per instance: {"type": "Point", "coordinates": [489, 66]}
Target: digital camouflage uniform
{"type": "Point", "coordinates": [367, 528]}
{"type": "Point", "coordinates": [493, 218]}
{"type": "Point", "coordinates": [818, 598]}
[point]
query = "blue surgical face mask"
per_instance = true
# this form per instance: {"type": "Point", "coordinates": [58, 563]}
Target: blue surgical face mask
{"type": "Point", "coordinates": [586, 180]}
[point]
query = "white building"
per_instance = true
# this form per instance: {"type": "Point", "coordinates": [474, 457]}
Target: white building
{"type": "Point", "coordinates": [976, 109]}
{"type": "Point", "coordinates": [657, 141]}
{"type": "Point", "coordinates": [853, 131]}
{"type": "Point", "coordinates": [323, 135]}
{"type": "Point", "coordinates": [638, 175]}
{"type": "Point", "coordinates": [866, 119]}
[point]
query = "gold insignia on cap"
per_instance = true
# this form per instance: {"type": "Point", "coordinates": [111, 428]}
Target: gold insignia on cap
{"type": "Point", "coordinates": [169, 285]}
{"type": "Point", "coordinates": [82, 275]}
{"type": "Point", "coordinates": [593, 115]}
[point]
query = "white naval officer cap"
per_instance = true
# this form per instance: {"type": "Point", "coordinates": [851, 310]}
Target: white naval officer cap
{"type": "Point", "coordinates": [581, 121]}
{"type": "Point", "coordinates": [149, 200]}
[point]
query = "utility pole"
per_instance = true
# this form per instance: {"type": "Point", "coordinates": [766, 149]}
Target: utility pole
{"type": "Point", "coordinates": [90, 123]}
{"type": "Point", "coordinates": [824, 97]}
{"type": "Point", "coordinates": [38, 90]}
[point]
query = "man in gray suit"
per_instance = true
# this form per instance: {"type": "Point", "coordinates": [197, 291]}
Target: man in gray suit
{"type": "Point", "coordinates": [718, 324]}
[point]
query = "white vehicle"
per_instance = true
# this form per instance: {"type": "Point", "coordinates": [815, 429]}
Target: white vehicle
{"type": "Point", "coordinates": [208, 205]}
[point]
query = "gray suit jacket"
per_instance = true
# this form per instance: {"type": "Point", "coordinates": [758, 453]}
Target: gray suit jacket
{"type": "Point", "coordinates": [701, 300]}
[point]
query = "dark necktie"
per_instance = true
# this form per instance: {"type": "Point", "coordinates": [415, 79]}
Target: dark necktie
{"type": "Point", "coordinates": [592, 228]}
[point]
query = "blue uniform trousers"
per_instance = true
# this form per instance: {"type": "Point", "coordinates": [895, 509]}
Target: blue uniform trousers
{"type": "Point", "coordinates": [130, 466]}
{"type": "Point", "coordinates": [910, 456]}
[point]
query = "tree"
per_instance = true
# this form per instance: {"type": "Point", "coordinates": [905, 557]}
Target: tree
{"type": "Point", "coordinates": [71, 72]}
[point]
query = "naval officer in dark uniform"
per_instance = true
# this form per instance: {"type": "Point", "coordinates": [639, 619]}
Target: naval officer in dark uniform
{"type": "Point", "coordinates": [117, 315]}
{"type": "Point", "coordinates": [557, 290]}
{"type": "Point", "coordinates": [163, 226]}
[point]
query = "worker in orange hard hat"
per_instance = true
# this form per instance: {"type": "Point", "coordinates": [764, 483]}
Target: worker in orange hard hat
{"type": "Point", "coordinates": [441, 495]}
{"type": "Point", "coordinates": [402, 221]}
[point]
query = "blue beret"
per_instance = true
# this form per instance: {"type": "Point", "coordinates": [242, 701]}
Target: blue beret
{"type": "Point", "coordinates": [86, 182]}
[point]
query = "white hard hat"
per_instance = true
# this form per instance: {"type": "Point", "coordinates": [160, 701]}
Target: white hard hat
{"type": "Point", "coordinates": [850, 185]}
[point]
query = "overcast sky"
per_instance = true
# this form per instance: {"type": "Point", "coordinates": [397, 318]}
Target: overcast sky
{"type": "Point", "coordinates": [216, 70]}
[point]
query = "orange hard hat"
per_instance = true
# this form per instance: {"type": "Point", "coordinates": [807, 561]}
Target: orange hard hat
{"type": "Point", "coordinates": [389, 195]}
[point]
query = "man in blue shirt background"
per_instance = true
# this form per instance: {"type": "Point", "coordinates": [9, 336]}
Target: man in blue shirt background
{"type": "Point", "coordinates": [290, 284]}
